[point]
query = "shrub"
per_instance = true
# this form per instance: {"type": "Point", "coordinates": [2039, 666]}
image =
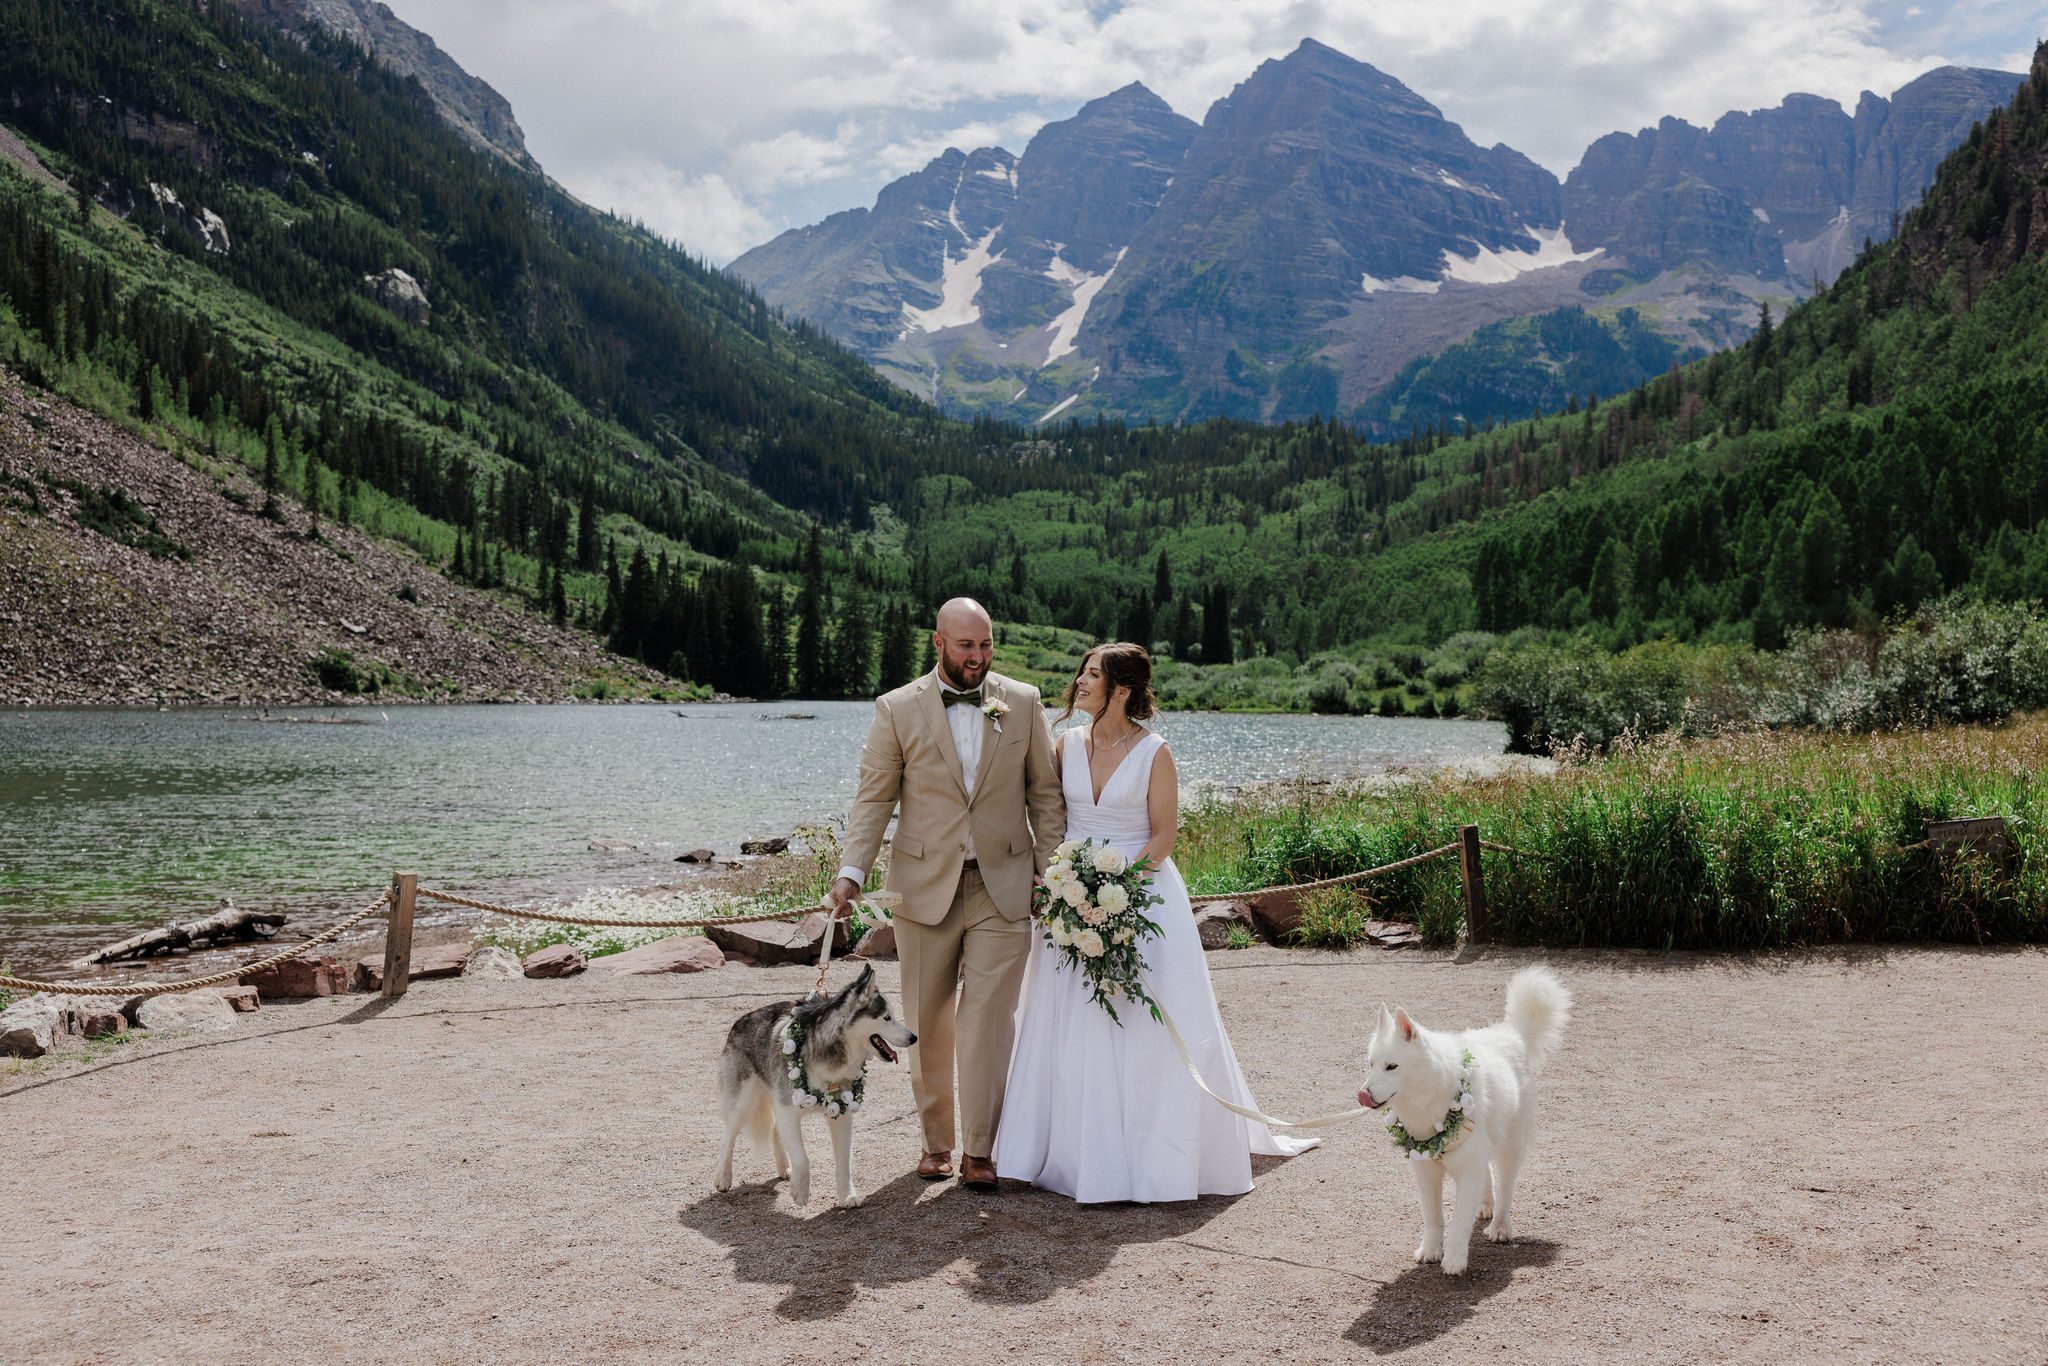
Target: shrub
{"type": "Point", "coordinates": [1331, 918]}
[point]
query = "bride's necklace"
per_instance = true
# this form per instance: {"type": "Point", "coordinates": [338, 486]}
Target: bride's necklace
{"type": "Point", "coordinates": [1094, 748]}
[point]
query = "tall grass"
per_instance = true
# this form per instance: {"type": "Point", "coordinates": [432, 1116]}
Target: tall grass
{"type": "Point", "coordinates": [1744, 841]}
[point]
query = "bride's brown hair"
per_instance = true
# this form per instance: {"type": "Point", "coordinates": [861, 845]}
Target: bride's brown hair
{"type": "Point", "coordinates": [1124, 665]}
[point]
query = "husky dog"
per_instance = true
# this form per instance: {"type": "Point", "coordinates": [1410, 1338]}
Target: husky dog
{"type": "Point", "coordinates": [1488, 1107]}
{"type": "Point", "coordinates": [839, 1034]}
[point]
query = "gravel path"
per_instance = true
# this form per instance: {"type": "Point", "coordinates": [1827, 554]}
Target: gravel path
{"type": "Point", "coordinates": [1828, 1156]}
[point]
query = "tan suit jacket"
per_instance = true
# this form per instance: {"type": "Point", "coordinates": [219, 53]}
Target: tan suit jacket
{"type": "Point", "coordinates": [1017, 815]}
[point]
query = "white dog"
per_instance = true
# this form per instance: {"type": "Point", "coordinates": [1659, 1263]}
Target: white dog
{"type": "Point", "coordinates": [1465, 1103]}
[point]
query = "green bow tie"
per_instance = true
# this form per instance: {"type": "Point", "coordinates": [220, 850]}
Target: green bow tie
{"type": "Point", "coordinates": [972, 699]}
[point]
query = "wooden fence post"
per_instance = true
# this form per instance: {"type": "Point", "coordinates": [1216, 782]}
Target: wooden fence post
{"type": "Point", "coordinates": [398, 934]}
{"type": "Point", "coordinates": [1475, 884]}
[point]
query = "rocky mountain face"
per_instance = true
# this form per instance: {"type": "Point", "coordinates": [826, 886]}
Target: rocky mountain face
{"type": "Point", "coordinates": [1325, 227]}
{"type": "Point", "coordinates": [479, 112]}
{"type": "Point", "coordinates": [1791, 191]}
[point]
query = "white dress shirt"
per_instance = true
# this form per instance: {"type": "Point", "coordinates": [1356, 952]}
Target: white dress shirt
{"type": "Point", "coordinates": [969, 729]}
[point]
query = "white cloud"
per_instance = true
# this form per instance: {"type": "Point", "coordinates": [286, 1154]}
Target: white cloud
{"type": "Point", "coordinates": [701, 211]}
{"type": "Point", "coordinates": [724, 115]}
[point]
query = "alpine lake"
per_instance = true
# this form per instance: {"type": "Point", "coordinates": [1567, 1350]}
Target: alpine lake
{"type": "Point", "coordinates": [116, 820]}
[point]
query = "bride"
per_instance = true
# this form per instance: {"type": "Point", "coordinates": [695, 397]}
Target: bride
{"type": "Point", "coordinates": [1096, 1110]}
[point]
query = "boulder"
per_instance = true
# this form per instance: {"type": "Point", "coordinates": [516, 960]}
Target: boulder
{"type": "Point", "coordinates": [778, 844]}
{"type": "Point", "coordinates": [878, 942]}
{"type": "Point", "coordinates": [1276, 914]}
{"type": "Point", "coordinates": [697, 856]}
{"type": "Point", "coordinates": [29, 1027]}
{"type": "Point", "coordinates": [556, 960]}
{"type": "Point", "coordinates": [399, 292]}
{"type": "Point", "coordinates": [299, 978]}
{"type": "Point", "coordinates": [677, 953]}
{"type": "Point", "coordinates": [778, 941]}
{"type": "Point", "coordinates": [493, 964]}
{"type": "Point", "coordinates": [1217, 919]}
{"type": "Point", "coordinates": [185, 1010]}
{"type": "Point", "coordinates": [1392, 934]}
{"type": "Point", "coordinates": [94, 1016]}
{"type": "Point", "coordinates": [441, 956]}
{"type": "Point", "coordinates": [241, 999]}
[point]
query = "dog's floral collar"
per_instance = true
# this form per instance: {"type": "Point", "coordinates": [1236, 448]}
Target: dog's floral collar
{"type": "Point", "coordinates": [834, 1103]}
{"type": "Point", "coordinates": [995, 709]}
{"type": "Point", "coordinates": [1432, 1148]}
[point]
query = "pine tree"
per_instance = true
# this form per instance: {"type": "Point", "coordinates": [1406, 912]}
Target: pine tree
{"type": "Point", "coordinates": [272, 475]}
{"type": "Point", "coordinates": [1162, 582]}
{"type": "Point", "coordinates": [1216, 645]}
{"type": "Point", "coordinates": [145, 390]}
{"type": "Point", "coordinates": [778, 643]}
{"type": "Point", "coordinates": [812, 668]}
{"type": "Point", "coordinates": [559, 601]}
{"type": "Point", "coordinates": [588, 532]}
{"type": "Point", "coordinates": [896, 648]}
{"type": "Point", "coordinates": [312, 494]}
{"type": "Point", "coordinates": [853, 647]}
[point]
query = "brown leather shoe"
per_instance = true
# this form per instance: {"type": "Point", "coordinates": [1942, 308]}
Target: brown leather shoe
{"type": "Point", "coordinates": [977, 1171]}
{"type": "Point", "coordinates": [935, 1166]}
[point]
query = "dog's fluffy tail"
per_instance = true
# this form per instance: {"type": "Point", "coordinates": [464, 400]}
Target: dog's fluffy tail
{"type": "Point", "coordinates": [1539, 1006]}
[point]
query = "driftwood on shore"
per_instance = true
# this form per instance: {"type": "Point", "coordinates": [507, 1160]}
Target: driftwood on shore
{"type": "Point", "coordinates": [225, 926]}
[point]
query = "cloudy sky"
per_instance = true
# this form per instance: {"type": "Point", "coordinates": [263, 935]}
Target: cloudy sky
{"type": "Point", "coordinates": [721, 122]}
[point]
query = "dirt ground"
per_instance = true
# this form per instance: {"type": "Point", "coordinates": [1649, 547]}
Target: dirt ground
{"type": "Point", "coordinates": [1834, 1156]}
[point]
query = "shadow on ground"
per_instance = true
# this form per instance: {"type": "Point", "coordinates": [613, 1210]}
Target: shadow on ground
{"type": "Point", "coordinates": [1016, 1246]}
{"type": "Point", "coordinates": [1422, 1303]}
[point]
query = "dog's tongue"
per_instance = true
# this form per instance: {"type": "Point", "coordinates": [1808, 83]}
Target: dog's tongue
{"type": "Point", "coordinates": [882, 1047]}
{"type": "Point", "coordinates": [1365, 1099]}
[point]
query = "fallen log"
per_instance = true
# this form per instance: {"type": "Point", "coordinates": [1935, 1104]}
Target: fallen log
{"type": "Point", "coordinates": [225, 926]}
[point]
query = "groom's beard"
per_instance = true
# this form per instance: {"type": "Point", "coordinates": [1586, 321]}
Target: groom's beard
{"type": "Point", "coordinates": [957, 685]}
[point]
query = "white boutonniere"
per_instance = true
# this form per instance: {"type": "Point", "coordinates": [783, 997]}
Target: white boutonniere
{"type": "Point", "coordinates": [995, 709]}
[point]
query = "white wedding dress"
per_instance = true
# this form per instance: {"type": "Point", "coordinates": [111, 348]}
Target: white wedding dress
{"type": "Point", "coordinates": [1100, 1111]}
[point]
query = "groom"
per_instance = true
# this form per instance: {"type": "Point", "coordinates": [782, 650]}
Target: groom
{"type": "Point", "coordinates": [967, 756]}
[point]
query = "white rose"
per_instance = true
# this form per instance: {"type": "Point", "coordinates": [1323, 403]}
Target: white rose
{"type": "Point", "coordinates": [832, 1109]}
{"type": "Point", "coordinates": [1108, 861]}
{"type": "Point", "coordinates": [1061, 935]}
{"type": "Point", "coordinates": [1074, 894]}
{"type": "Point", "coordinates": [789, 1045]}
{"type": "Point", "coordinates": [1089, 943]}
{"type": "Point", "coordinates": [1465, 1101]}
{"type": "Point", "coordinates": [1125, 935]}
{"type": "Point", "coordinates": [805, 1100]}
{"type": "Point", "coordinates": [852, 1106]}
{"type": "Point", "coordinates": [795, 1072]}
{"type": "Point", "coordinates": [1113, 898]}
{"type": "Point", "coordinates": [1066, 850]}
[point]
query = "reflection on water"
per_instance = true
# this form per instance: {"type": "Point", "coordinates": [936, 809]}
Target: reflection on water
{"type": "Point", "coordinates": [111, 817]}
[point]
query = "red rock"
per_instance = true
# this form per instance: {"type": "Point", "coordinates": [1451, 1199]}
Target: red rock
{"type": "Point", "coordinates": [779, 941]}
{"type": "Point", "coordinates": [556, 960]}
{"type": "Point", "coordinates": [299, 978]}
{"type": "Point", "coordinates": [94, 1016]}
{"type": "Point", "coordinates": [878, 942]}
{"type": "Point", "coordinates": [441, 956]}
{"type": "Point", "coordinates": [1276, 913]}
{"type": "Point", "coordinates": [244, 999]}
{"type": "Point", "coordinates": [1392, 934]}
{"type": "Point", "coordinates": [677, 953]}
{"type": "Point", "coordinates": [1215, 921]}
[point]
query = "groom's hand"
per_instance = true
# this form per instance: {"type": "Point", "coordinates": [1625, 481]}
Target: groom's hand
{"type": "Point", "coordinates": [843, 892]}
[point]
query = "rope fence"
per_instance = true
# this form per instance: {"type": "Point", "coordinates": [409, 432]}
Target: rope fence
{"type": "Point", "coordinates": [135, 989]}
{"type": "Point", "coordinates": [405, 890]}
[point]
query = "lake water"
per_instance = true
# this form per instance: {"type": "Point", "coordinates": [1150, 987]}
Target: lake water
{"type": "Point", "coordinates": [111, 820]}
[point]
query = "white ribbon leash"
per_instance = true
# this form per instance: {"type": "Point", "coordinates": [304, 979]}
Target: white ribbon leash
{"type": "Point", "coordinates": [1318, 1122]}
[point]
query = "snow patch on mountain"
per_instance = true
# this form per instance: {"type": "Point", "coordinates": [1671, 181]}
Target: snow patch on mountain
{"type": "Point", "coordinates": [1401, 284]}
{"type": "Point", "coordinates": [1058, 408]}
{"type": "Point", "coordinates": [959, 283]}
{"type": "Point", "coordinates": [1447, 178]}
{"type": "Point", "coordinates": [1067, 325]}
{"type": "Point", "coordinates": [1489, 267]}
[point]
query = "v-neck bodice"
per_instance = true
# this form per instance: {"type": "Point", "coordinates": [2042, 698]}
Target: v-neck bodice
{"type": "Point", "coordinates": [1122, 814]}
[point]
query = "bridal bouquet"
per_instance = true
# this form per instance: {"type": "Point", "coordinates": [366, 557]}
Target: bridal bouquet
{"type": "Point", "coordinates": [1092, 908]}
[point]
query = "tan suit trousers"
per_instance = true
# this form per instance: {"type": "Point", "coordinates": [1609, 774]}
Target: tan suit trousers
{"type": "Point", "coordinates": [967, 968]}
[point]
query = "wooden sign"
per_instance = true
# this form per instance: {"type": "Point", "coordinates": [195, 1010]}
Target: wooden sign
{"type": "Point", "coordinates": [1985, 834]}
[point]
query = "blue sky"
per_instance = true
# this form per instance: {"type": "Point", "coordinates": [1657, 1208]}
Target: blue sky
{"type": "Point", "coordinates": [722, 122]}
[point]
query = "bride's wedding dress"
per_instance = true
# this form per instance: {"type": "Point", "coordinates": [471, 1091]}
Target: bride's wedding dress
{"type": "Point", "coordinates": [1100, 1111]}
